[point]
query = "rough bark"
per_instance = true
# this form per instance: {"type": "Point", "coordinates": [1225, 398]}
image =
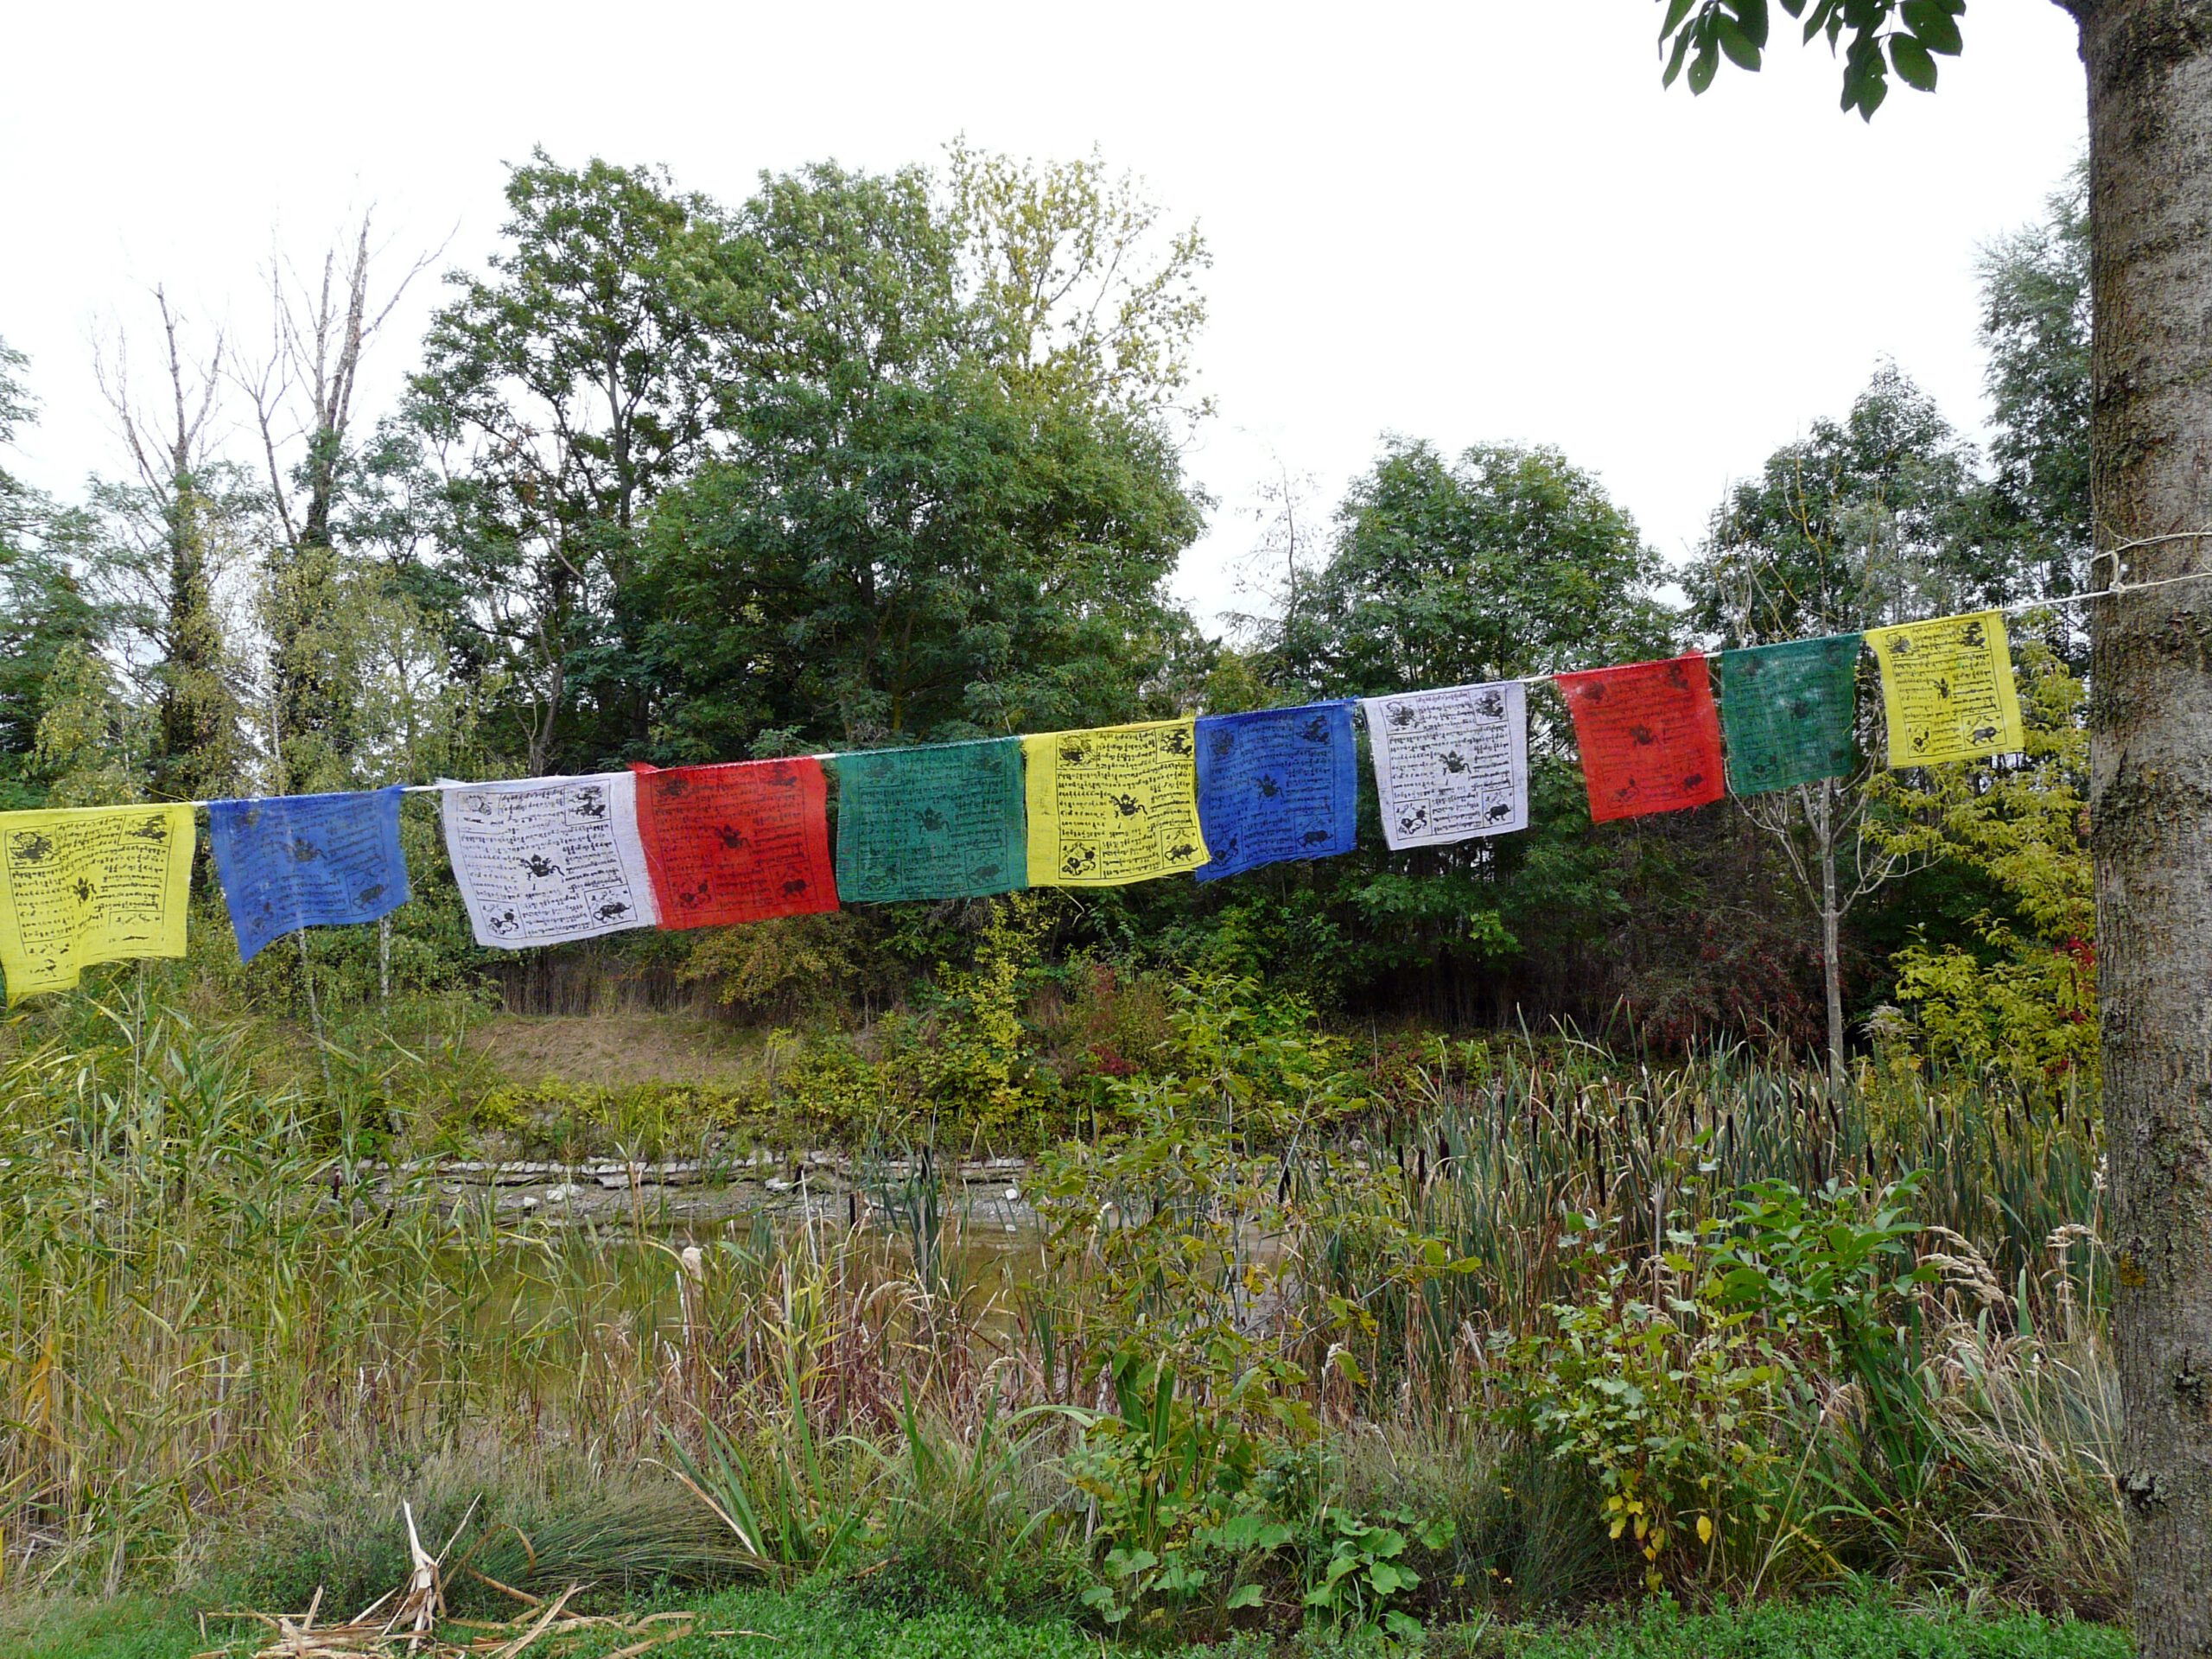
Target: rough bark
{"type": "Point", "coordinates": [2149, 80]}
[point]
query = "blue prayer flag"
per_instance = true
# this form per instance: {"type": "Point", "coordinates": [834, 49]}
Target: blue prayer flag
{"type": "Point", "coordinates": [1276, 783]}
{"type": "Point", "coordinates": [306, 860]}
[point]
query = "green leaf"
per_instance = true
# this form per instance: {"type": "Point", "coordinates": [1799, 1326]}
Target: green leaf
{"type": "Point", "coordinates": [1931, 21]}
{"type": "Point", "coordinates": [1751, 15]}
{"type": "Point", "coordinates": [1863, 88]}
{"type": "Point", "coordinates": [1676, 10]}
{"type": "Point", "coordinates": [1702, 66]}
{"type": "Point", "coordinates": [1404, 1627]}
{"type": "Point", "coordinates": [1915, 67]}
{"type": "Point", "coordinates": [1244, 1595]}
{"type": "Point", "coordinates": [1736, 44]}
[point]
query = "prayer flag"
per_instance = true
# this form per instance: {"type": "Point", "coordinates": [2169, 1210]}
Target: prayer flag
{"type": "Point", "coordinates": [98, 884]}
{"type": "Point", "coordinates": [1789, 712]}
{"type": "Point", "coordinates": [738, 842]}
{"type": "Point", "coordinates": [943, 821]}
{"type": "Point", "coordinates": [1451, 764]}
{"type": "Point", "coordinates": [1946, 689]}
{"type": "Point", "coordinates": [1650, 736]}
{"type": "Point", "coordinates": [1277, 783]}
{"type": "Point", "coordinates": [306, 860]}
{"type": "Point", "coordinates": [1111, 805]}
{"type": "Point", "coordinates": [544, 860]}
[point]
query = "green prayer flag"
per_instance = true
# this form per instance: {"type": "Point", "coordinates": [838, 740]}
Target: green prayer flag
{"type": "Point", "coordinates": [1789, 712]}
{"type": "Point", "coordinates": [944, 820]}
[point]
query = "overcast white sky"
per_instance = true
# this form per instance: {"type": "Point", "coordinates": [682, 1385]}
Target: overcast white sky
{"type": "Point", "coordinates": [1466, 221]}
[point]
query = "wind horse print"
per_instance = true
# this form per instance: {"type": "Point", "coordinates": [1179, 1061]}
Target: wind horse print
{"type": "Point", "coordinates": [306, 860]}
{"type": "Point", "coordinates": [546, 860]}
{"type": "Point", "coordinates": [936, 821]}
{"type": "Point", "coordinates": [91, 885]}
{"type": "Point", "coordinates": [1114, 805]}
{"type": "Point", "coordinates": [1277, 783]}
{"type": "Point", "coordinates": [1946, 689]}
{"type": "Point", "coordinates": [1650, 736]}
{"type": "Point", "coordinates": [1790, 712]}
{"type": "Point", "coordinates": [1451, 764]}
{"type": "Point", "coordinates": [739, 843]}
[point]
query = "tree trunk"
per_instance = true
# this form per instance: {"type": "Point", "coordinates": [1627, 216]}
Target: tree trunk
{"type": "Point", "coordinates": [2150, 78]}
{"type": "Point", "coordinates": [1832, 972]}
{"type": "Point", "coordinates": [1831, 927]}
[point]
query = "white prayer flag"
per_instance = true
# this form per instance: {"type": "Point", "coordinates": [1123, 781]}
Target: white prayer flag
{"type": "Point", "coordinates": [1451, 764]}
{"type": "Point", "coordinates": [545, 860]}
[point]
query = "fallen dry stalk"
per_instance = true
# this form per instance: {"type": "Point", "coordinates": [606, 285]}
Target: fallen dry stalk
{"type": "Point", "coordinates": [414, 1626]}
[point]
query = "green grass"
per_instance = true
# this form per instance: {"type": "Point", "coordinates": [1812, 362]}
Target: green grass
{"type": "Point", "coordinates": [817, 1626]}
{"type": "Point", "coordinates": [1836, 1628]}
{"type": "Point", "coordinates": [129, 1627]}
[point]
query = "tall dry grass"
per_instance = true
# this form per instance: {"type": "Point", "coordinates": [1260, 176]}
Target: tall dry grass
{"type": "Point", "coordinates": [215, 1297]}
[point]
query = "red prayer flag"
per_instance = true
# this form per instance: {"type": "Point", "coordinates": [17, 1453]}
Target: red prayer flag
{"type": "Point", "coordinates": [739, 843]}
{"type": "Point", "coordinates": [1650, 736]}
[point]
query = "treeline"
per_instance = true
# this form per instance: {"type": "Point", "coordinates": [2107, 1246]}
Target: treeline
{"type": "Point", "coordinates": [875, 459]}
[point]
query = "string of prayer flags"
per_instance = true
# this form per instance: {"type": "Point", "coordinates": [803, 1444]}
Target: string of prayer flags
{"type": "Point", "coordinates": [1946, 689]}
{"type": "Point", "coordinates": [1789, 712]}
{"type": "Point", "coordinates": [1111, 805]}
{"type": "Point", "coordinates": [545, 860]}
{"type": "Point", "coordinates": [943, 821]}
{"type": "Point", "coordinates": [306, 860]}
{"type": "Point", "coordinates": [91, 885]}
{"type": "Point", "coordinates": [1451, 764]}
{"type": "Point", "coordinates": [738, 842]}
{"type": "Point", "coordinates": [1650, 736]}
{"type": "Point", "coordinates": [1276, 783]}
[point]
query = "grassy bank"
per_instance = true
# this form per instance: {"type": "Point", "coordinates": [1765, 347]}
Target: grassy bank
{"type": "Point", "coordinates": [814, 1626]}
{"type": "Point", "coordinates": [1322, 1341]}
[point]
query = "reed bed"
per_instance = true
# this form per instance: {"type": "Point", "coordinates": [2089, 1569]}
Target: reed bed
{"type": "Point", "coordinates": [212, 1301]}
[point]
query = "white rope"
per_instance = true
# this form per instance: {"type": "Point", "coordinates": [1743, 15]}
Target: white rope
{"type": "Point", "coordinates": [2117, 589]}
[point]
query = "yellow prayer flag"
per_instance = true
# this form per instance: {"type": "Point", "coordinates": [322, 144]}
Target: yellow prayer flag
{"type": "Point", "coordinates": [1946, 689]}
{"type": "Point", "coordinates": [1115, 805]}
{"type": "Point", "coordinates": [98, 884]}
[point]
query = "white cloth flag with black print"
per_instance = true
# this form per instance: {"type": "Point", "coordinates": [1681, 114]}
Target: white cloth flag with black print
{"type": "Point", "coordinates": [545, 860]}
{"type": "Point", "coordinates": [1451, 764]}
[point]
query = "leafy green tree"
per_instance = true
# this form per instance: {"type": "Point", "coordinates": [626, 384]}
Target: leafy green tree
{"type": "Point", "coordinates": [45, 615]}
{"type": "Point", "coordinates": [2149, 71]}
{"type": "Point", "coordinates": [164, 538]}
{"type": "Point", "coordinates": [908, 532]}
{"type": "Point", "coordinates": [2035, 325]}
{"type": "Point", "coordinates": [1876, 518]}
{"type": "Point", "coordinates": [1872, 519]}
{"type": "Point", "coordinates": [303, 397]}
{"type": "Point", "coordinates": [2018, 995]}
{"type": "Point", "coordinates": [1063, 262]}
{"type": "Point", "coordinates": [557, 396]}
{"type": "Point", "coordinates": [17, 407]}
{"type": "Point", "coordinates": [1507, 561]}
